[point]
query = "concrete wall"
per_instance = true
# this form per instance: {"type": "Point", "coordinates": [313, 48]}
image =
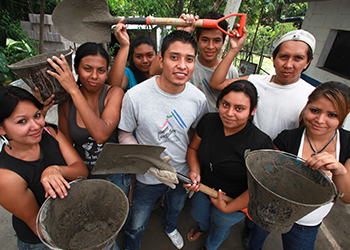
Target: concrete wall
{"type": "Point", "coordinates": [53, 41]}
{"type": "Point", "coordinates": [320, 18]}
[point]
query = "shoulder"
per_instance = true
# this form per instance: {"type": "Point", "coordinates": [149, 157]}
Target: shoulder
{"type": "Point", "coordinates": [232, 72]}
{"type": "Point", "coordinates": [289, 139]}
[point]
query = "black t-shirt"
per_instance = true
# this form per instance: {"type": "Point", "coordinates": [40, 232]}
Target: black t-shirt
{"type": "Point", "coordinates": [222, 157]}
{"type": "Point", "coordinates": [289, 141]}
{"type": "Point", "coordinates": [31, 172]}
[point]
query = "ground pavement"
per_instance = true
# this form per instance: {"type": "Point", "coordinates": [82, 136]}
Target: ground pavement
{"type": "Point", "coordinates": [333, 234]}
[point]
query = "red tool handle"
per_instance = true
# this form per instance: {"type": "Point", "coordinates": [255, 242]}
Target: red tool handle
{"type": "Point", "coordinates": [205, 23]}
{"type": "Point", "coordinates": [213, 23]}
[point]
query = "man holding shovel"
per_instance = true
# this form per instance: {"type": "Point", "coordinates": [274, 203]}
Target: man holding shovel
{"type": "Point", "coordinates": [163, 111]}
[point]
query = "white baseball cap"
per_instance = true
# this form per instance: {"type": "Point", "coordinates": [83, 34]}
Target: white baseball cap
{"type": "Point", "coordinates": [297, 35]}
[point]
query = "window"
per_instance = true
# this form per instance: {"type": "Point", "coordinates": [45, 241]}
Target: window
{"type": "Point", "coordinates": [335, 57]}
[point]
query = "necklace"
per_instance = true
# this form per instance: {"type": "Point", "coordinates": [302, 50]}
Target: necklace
{"type": "Point", "coordinates": [317, 152]}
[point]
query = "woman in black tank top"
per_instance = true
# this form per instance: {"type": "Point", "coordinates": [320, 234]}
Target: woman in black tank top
{"type": "Point", "coordinates": [35, 161]}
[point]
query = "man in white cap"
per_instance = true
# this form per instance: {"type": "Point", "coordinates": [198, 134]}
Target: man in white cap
{"type": "Point", "coordinates": [283, 95]}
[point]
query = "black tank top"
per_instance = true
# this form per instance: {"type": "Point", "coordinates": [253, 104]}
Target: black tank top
{"type": "Point", "coordinates": [31, 172]}
{"type": "Point", "coordinates": [84, 143]}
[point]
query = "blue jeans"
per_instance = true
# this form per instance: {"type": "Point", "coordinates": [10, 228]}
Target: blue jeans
{"type": "Point", "coordinates": [123, 181]}
{"type": "Point", "coordinates": [143, 199]}
{"type": "Point", "coordinates": [27, 246]}
{"type": "Point", "coordinates": [298, 238]}
{"type": "Point", "coordinates": [203, 211]}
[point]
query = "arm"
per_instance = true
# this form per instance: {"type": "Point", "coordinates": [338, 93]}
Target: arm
{"type": "Point", "coordinates": [17, 198]}
{"type": "Point", "coordinates": [218, 80]}
{"type": "Point", "coordinates": [126, 137]}
{"type": "Point", "coordinates": [193, 163]}
{"type": "Point", "coordinates": [63, 120]}
{"type": "Point", "coordinates": [54, 177]}
{"type": "Point", "coordinates": [102, 127]}
{"type": "Point", "coordinates": [116, 75]}
{"type": "Point", "coordinates": [235, 205]}
{"type": "Point", "coordinates": [340, 172]}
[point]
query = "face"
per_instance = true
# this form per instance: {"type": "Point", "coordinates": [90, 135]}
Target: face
{"type": "Point", "coordinates": [178, 65]}
{"type": "Point", "coordinates": [290, 61]}
{"type": "Point", "coordinates": [234, 111]}
{"type": "Point", "coordinates": [143, 56]}
{"type": "Point", "coordinates": [92, 72]}
{"type": "Point", "coordinates": [209, 45]}
{"type": "Point", "coordinates": [321, 118]}
{"type": "Point", "coordinates": [25, 124]}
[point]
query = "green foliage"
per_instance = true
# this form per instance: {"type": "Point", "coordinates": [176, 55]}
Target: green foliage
{"type": "Point", "coordinates": [266, 35]}
{"type": "Point", "coordinates": [15, 51]}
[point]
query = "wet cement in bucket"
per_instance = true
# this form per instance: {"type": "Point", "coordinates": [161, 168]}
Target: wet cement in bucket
{"type": "Point", "coordinates": [33, 72]}
{"type": "Point", "coordinates": [282, 189]}
{"type": "Point", "coordinates": [88, 218]}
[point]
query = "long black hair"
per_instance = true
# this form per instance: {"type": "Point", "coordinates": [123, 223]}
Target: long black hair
{"type": "Point", "coordinates": [139, 76]}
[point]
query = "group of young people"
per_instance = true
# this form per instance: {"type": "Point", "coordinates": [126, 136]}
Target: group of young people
{"type": "Point", "coordinates": [197, 108]}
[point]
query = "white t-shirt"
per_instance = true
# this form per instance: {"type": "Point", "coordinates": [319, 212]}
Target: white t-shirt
{"type": "Point", "coordinates": [201, 77]}
{"type": "Point", "coordinates": [315, 217]}
{"type": "Point", "coordinates": [163, 119]}
{"type": "Point", "coordinates": [279, 105]}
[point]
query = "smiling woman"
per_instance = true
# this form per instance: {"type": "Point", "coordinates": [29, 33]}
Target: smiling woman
{"type": "Point", "coordinates": [216, 159]}
{"type": "Point", "coordinates": [36, 162]}
{"type": "Point", "coordinates": [91, 117]}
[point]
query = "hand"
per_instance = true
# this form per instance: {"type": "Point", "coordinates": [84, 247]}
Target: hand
{"type": "Point", "coordinates": [53, 182]}
{"type": "Point", "coordinates": [121, 34]}
{"type": "Point", "coordinates": [326, 162]}
{"type": "Point", "coordinates": [219, 202]}
{"type": "Point", "coordinates": [64, 75]}
{"type": "Point", "coordinates": [189, 19]}
{"type": "Point", "coordinates": [48, 103]}
{"type": "Point", "coordinates": [235, 41]}
{"type": "Point", "coordinates": [195, 177]}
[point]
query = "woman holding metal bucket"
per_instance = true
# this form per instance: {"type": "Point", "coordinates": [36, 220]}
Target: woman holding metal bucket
{"type": "Point", "coordinates": [91, 117]}
{"type": "Point", "coordinates": [216, 158]}
{"type": "Point", "coordinates": [326, 146]}
{"type": "Point", "coordinates": [36, 161]}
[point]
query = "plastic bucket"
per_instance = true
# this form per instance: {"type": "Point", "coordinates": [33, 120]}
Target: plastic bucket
{"type": "Point", "coordinates": [90, 217]}
{"type": "Point", "coordinates": [282, 189]}
{"type": "Point", "coordinates": [33, 72]}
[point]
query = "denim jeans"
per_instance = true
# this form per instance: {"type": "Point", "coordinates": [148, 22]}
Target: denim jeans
{"type": "Point", "coordinates": [298, 238]}
{"type": "Point", "coordinates": [28, 246]}
{"type": "Point", "coordinates": [203, 211]}
{"type": "Point", "coordinates": [123, 181]}
{"type": "Point", "coordinates": [143, 199]}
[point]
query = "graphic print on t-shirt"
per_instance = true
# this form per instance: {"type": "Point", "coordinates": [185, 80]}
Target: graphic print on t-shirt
{"type": "Point", "coordinates": [205, 84]}
{"type": "Point", "coordinates": [167, 132]}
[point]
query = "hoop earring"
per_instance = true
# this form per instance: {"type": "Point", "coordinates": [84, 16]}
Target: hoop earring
{"type": "Point", "coordinates": [6, 141]}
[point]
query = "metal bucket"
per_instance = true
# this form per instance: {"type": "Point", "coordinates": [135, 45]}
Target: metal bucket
{"type": "Point", "coordinates": [33, 72]}
{"type": "Point", "coordinates": [282, 189]}
{"type": "Point", "coordinates": [90, 217]}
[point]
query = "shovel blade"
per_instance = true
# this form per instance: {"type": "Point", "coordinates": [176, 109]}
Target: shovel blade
{"type": "Point", "coordinates": [126, 158]}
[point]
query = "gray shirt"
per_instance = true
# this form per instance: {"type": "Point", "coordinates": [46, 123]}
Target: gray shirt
{"type": "Point", "coordinates": [163, 119]}
{"type": "Point", "coordinates": [201, 77]}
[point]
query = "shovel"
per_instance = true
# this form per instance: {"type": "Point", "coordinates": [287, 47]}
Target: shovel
{"type": "Point", "coordinates": [83, 21]}
{"type": "Point", "coordinates": [137, 159]}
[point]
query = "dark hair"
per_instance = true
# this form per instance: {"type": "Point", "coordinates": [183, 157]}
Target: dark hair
{"type": "Point", "coordinates": [212, 15]}
{"type": "Point", "coordinates": [181, 36]}
{"type": "Point", "coordinates": [309, 54]}
{"type": "Point", "coordinates": [135, 43]}
{"type": "Point", "coordinates": [9, 98]}
{"type": "Point", "coordinates": [241, 86]}
{"type": "Point", "coordinates": [87, 49]}
{"type": "Point", "coordinates": [338, 93]}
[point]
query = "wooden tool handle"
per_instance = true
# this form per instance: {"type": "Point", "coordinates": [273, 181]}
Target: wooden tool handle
{"type": "Point", "coordinates": [170, 21]}
{"type": "Point", "coordinates": [213, 193]}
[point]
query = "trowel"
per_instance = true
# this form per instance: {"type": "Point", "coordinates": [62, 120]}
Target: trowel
{"type": "Point", "coordinates": [83, 21]}
{"type": "Point", "coordinates": [137, 159]}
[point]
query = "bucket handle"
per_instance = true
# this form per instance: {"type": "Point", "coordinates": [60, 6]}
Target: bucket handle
{"type": "Point", "coordinates": [337, 193]}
